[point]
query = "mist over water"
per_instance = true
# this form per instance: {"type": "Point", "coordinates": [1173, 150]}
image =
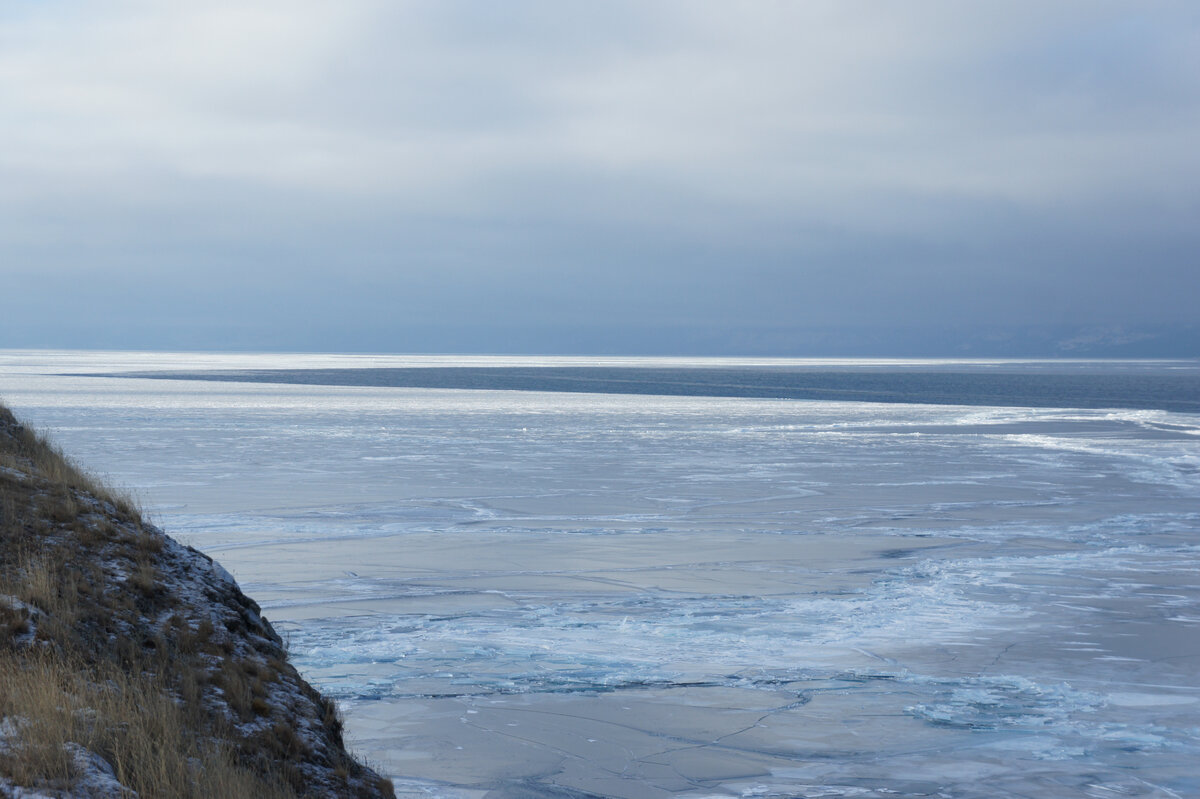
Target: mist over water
{"type": "Point", "coordinates": [534, 593]}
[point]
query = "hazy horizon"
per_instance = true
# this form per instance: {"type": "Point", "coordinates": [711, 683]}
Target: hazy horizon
{"type": "Point", "coordinates": [1181, 343]}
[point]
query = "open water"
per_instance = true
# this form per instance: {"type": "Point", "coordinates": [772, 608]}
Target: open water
{"type": "Point", "coordinates": [693, 578]}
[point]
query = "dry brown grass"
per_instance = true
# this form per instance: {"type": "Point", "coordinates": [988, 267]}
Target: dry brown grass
{"type": "Point", "coordinates": [127, 720]}
{"type": "Point", "coordinates": [32, 453]}
{"type": "Point", "coordinates": [60, 701]}
{"type": "Point", "coordinates": [50, 463]}
{"type": "Point", "coordinates": [116, 670]}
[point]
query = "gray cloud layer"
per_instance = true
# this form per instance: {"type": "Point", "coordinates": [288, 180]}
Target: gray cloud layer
{"type": "Point", "coordinates": [639, 176]}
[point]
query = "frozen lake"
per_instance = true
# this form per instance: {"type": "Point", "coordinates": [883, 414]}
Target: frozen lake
{"type": "Point", "coordinates": [537, 594]}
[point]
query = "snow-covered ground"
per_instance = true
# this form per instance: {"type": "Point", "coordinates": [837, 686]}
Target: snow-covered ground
{"type": "Point", "coordinates": [693, 597]}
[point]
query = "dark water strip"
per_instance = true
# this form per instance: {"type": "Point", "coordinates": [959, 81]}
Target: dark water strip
{"type": "Point", "coordinates": [1178, 392]}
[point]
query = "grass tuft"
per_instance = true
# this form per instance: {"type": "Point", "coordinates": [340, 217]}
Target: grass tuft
{"type": "Point", "coordinates": [127, 720]}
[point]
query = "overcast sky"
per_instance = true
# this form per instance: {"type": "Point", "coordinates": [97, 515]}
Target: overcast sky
{"type": "Point", "coordinates": [767, 176]}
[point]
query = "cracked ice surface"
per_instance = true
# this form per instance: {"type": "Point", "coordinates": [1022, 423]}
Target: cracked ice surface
{"type": "Point", "coordinates": [525, 594]}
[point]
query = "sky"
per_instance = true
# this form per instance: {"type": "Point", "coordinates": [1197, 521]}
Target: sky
{"type": "Point", "coordinates": [769, 177]}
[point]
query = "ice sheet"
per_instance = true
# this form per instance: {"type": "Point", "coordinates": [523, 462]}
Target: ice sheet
{"type": "Point", "coordinates": [529, 594]}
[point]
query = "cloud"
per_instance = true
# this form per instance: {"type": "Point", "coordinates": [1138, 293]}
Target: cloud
{"type": "Point", "coordinates": [833, 163]}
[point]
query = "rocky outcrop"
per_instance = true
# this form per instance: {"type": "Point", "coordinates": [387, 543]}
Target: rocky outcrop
{"type": "Point", "coordinates": [87, 588]}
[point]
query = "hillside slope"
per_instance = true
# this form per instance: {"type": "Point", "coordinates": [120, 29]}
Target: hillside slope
{"type": "Point", "coordinates": [133, 665]}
